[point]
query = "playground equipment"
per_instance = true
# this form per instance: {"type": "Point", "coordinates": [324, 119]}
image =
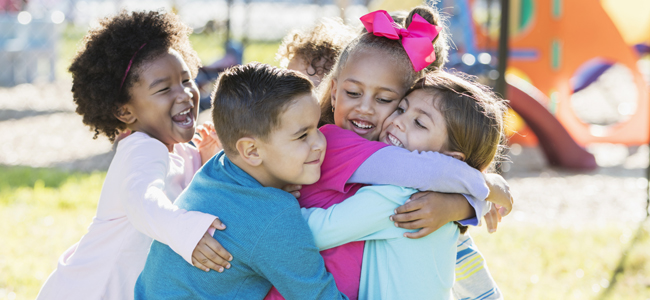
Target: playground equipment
{"type": "Point", "coordinates": [28, 47]}
{"type": "Point", "coordinates": [557, 49]}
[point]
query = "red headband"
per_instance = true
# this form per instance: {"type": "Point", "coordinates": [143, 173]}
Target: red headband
{"type": "Point", "coordinates": [417, 39]}
{"type": "Point", "coordinates": [129, 67]}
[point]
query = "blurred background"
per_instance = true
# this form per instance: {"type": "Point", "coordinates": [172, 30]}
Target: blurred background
{"type": "Point", "coordinates": [576, 74]}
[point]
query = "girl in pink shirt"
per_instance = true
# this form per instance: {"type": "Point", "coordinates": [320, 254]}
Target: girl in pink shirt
{"type": "Point", "coordinates": [135, 73]}
{"type": "Point", "coordinates": [371, 76]}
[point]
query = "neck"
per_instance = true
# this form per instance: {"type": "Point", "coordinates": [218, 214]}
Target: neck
{"type": "Point", "coordinates": [258, 172]}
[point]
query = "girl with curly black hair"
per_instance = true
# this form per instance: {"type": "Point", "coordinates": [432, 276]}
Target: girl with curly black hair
{"type": "Point", "coordinates": [134, 73]}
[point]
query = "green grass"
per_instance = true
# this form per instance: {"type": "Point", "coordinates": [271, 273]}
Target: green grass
{"type": "Point", "coordinates": [44, 211]}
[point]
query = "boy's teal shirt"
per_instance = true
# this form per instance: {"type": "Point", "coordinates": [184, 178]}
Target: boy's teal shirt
{"type": "Point", "coordinates": [270, 242]}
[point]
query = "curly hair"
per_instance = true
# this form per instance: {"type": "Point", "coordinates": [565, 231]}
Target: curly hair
{"type": "Point", "coordinates": [324, 41]}
{"type": "Point", "coordinates": [100, 64]}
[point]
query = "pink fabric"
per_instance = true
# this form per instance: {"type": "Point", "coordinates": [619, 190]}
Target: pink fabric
{"type": "Point", "coordinates": [417, 39]}
{"type": "Point", "coordinates": [346, 151]}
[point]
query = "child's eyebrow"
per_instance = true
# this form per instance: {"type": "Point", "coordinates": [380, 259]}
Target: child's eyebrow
{"type": "Point", "coordinates": [360, 83]}
{"type": "Point", "coordinates": [157, 82]}
{"type": "Point", "coordinates": [426, 114]}
{"type": "Point", "coordinates": [301, 130]}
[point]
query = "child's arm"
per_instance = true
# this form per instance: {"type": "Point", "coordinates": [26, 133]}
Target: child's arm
{"type": "Point", "coordinates": [424, 171]}
{"type": "Point", "coordinates": [352, 159]}
{"type": "Point", "coordinates": [151, 212]}
{"type": "Point", "coordinates": [207, 142]}
{"type": "Point", "coordinates": [364, 216]}
{"type": "Point", "coordinates": [431, 210]}
{"type": "Point", "coordinates": [287, 257]}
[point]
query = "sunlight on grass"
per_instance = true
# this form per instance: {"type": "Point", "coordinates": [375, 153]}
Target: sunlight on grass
{"type": "Point", "coordinates": [44, 211]}
{"type": "Point", "coordinates": [535, 262]}
{"type": "Point", "coordinates": [39, 222]}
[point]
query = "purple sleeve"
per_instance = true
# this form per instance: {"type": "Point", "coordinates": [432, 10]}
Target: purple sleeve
{"type": "Point", "coordinates": [425, 171]}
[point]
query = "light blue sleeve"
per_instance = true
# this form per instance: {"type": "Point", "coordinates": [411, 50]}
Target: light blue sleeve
{"type": "Point", "coordinates": [287, 257]}
{"type": "Point", "coordinates": [363, 216]}
{"type": "Point", "coordinates": [426, 171]}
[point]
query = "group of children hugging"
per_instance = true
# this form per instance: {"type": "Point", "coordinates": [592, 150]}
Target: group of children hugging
{"type": "Point", "coordinates": [351, 173]}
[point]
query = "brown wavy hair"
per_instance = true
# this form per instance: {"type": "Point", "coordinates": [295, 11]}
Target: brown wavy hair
{"type": "Point", "coordinates": [318, 47]}
{"type": "Point", "coordinates": [101, 62]}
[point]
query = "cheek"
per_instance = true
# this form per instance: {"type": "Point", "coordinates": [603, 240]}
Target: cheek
{"type": "Point", "coordinates": [385, 111]}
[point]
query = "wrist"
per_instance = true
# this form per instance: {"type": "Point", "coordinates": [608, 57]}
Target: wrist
{"type": "Point", "coordinates": [460, 208]}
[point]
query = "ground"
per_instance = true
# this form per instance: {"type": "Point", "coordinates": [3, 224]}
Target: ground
{"type": "Point", "coordinates": [569, 232]}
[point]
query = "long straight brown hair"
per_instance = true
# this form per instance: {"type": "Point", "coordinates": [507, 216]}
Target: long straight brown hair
{"type": "Point", "coordinates": [473, 116]}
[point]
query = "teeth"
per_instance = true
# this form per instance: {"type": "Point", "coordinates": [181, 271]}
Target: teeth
{"type": "Point", "coordinates": [393, 140]}
{"type": "Point", "coordinates": [368, 126]}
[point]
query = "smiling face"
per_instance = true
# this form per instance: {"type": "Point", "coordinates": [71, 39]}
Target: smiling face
{"type": "Point", "coordinates": [294, 151]}
{"type": "Point", "coordinates": [366, 92]}
{"type": "Point", "coordinates": [164, 101]}
{"type": "Point", "coordinates": [416, 124]}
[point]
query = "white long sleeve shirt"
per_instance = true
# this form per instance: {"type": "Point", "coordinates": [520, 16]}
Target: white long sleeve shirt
{"type": "Point", "coordinates": [135, 207]}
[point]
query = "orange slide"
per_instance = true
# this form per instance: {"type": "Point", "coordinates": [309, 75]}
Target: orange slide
{"type": "Point", "coordinates": [558, 145]}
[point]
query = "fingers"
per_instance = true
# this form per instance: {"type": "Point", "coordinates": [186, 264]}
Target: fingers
{"type": "Point", "coordinates": [196, 140]}
{"type": "Point", "coordinates": [409, 206]}
{"type": "Point", "coordinates": [412, 225]}
{"type": "Point", "coordinates": [491, 220]}
{"type": "Point", "coordinates": [503, 211]}
{"type": "Point", "coordinates": [218, 224]}
{"type": "Point", "coordinates": [209, 254]}
{"type": "Point", "coordinates": [217, 253]}
{"type": "Point", "coordinates": [407, 217]}
{"type": "Point", "coordinates": [293, 189]}
{"type": "Point", "coordinates": [201, 261]}
{"type": "Point", "coordinates": [199, 265]}
{"type": "Point", "coordinates": [418, 234]}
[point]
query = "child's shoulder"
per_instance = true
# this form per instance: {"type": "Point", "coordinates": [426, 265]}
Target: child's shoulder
{"type": "Point", "coordinates": [140, 144]}
{"type": "Point", "coordinates": [140, 140]}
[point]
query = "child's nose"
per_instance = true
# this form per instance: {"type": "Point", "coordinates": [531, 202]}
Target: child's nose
{"type": "Point", "coordinates": [186, 95]}
{"type": "Point", "coordinates": [365, 107]}
{"type": "Point", "coordinates": [398, 122]}
{"type": "Point", "coordinates": [320, 143]}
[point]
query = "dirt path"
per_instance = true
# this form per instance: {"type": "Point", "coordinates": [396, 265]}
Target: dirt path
{"type": "Point", "coordinates": [39, 128]}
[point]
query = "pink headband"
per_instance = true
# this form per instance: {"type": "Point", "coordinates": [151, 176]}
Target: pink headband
{"type": "Point", "coordinates": [417, 39]}
{"type": "Point", "coordinates": [129, 67]}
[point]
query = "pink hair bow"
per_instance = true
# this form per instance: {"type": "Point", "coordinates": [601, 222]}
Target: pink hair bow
{"type": "Point", "coordinates": [417, 39]}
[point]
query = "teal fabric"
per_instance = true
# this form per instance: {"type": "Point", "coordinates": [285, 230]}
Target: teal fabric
{"type": "Point", "coordinates": [394, 267]}
{"type": "Point", "coordinates": [270, 242]}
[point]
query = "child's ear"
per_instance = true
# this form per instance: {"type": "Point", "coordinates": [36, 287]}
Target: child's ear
{"type": "Point", "coordinates": [455, 154]}
{"type": "Point", "coordinates": [248, 150]}
{"type": "Point", "coordinates": [125, 115]}
{"type": "Point", "coordinates": [333, 93]}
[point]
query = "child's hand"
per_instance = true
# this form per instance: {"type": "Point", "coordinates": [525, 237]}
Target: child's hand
{"type": "Point", "coordinates": [293, 189]}
{"type": "Point", "coordinates": [430, 211]}
{"type": "Point", "coordinates": [207, 142]}
{"type": "Point", "coordinates": [209, 254]}
{"type": "Point", "coordinates": [501, 197]}
{"type": "Point", "coordinates": [492, 218]}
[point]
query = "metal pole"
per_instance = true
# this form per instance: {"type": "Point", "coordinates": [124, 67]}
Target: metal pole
{"type": "Point", "coordinates": [503, 47]}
